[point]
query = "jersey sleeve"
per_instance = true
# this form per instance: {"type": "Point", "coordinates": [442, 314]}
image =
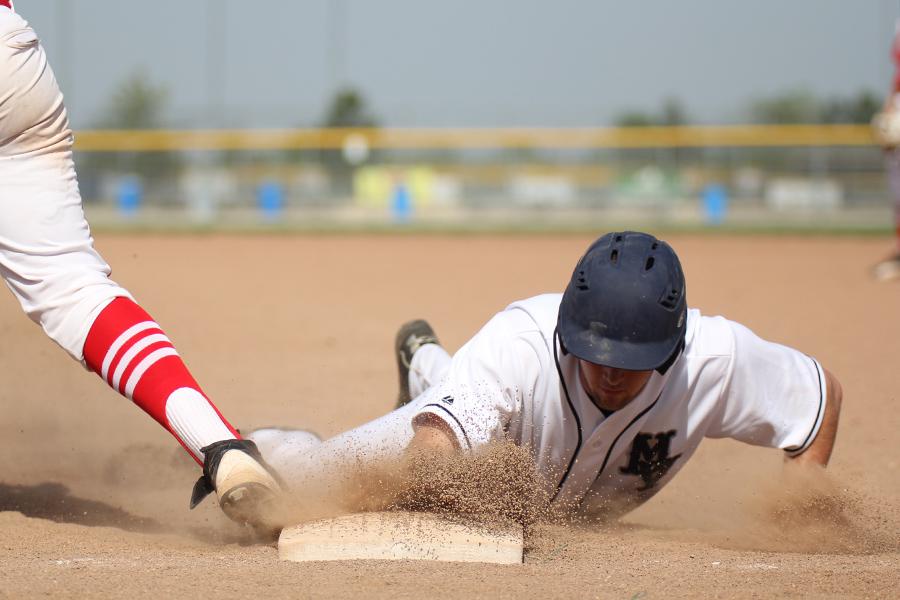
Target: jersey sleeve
{"type": "Point", "coordinates": [488, 380]}
{"type": "Point", "coordinates": [773, 395]}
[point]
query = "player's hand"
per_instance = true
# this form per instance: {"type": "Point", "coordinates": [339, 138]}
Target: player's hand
{"type": "Point", "coordinates": [813, 512]}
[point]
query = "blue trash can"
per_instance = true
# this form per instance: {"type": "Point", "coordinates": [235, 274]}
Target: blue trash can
{"type": "Point", "coordinates": [715, 203]}
{"type": "Point", "coordinates": [270, 199]}
{"type": "Point", "coordinates": [128, 196]}
{"type": "Point", "coordinates": [401, 204]}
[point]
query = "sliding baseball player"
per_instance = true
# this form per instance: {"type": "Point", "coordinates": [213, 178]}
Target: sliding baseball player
{"type": "Point", "coordinates": [611, 386]}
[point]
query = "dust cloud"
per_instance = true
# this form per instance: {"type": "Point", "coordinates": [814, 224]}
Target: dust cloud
{"type": "Point", "coordinates": [805, 510]}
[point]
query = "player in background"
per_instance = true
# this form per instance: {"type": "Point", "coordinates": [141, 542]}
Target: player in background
{"type": "Point", "coordinates": [887, 130]}
{"type": "Point", "coordinates": [48, 260]}
{"type": "Point", "coordinates": [611, 386]}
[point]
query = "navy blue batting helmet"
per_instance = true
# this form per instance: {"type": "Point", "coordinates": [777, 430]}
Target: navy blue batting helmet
{"type": "Point", "coordinates": [625, 305]}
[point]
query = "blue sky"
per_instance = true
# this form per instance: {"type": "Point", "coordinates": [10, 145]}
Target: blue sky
{"type": "Point", "coordinates": [275, 63]}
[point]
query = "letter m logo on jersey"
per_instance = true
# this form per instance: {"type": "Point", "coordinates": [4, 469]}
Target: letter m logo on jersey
{"type": "Point", "coordinates": [650, 457]}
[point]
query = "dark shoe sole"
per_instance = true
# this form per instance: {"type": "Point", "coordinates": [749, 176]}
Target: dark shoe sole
{"type": "Point", "coordinates": [417, 327]}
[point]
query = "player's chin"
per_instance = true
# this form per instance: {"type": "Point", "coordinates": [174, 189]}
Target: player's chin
{"type": "Point", "coordinates": [616, 404]}
{"type": "Point", "coordinates": [613, 399]}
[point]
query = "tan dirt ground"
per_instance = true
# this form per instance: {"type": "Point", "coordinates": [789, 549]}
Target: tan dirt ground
{"type": "Point", "coordinates": [298, 331]}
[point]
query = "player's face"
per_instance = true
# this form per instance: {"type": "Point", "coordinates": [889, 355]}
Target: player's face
{"type": "Point", "coordinates": [611, 389]}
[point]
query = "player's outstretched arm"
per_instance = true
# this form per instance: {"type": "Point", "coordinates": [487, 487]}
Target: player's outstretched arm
{"type": "Point", "coordinates": [819, 452]}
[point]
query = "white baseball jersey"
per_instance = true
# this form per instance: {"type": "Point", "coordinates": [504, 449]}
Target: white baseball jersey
{"type": "Point", "coordinates": [512, 382]}
{"type": "Point", "coordinates": [47, 256]}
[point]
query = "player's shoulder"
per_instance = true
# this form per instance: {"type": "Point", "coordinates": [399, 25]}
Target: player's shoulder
{"type": "Point", "coordinates": [709, 336]}
{"type": "Point", "coordinates": [537, 314]}
{"type": "Point", "coordinates": [541, 309]}
{"type": "Point", "coordinates": [532, 320]}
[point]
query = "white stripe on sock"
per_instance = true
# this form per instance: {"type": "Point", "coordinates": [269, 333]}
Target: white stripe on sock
{"type": "Point", "coordinates": [194, 420]}
{"type": "Point", "coordinates": [132, 352]}
{"type": "Point", "coordinates": [145, 364]}
{"type": "Point", "coordinates": [120, 341]}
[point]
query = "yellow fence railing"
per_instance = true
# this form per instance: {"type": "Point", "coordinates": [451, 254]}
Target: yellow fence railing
{"type": "Point", "coordinates": [476, 138]}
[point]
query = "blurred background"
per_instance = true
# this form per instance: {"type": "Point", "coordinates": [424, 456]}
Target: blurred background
{"type": "Point", "coordinates": [322, 114]}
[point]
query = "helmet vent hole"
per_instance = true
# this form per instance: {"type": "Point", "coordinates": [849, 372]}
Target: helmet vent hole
{"type": "Point", "coordinates": [614, 257]}
{"type": "Point", "coordinates": [654, 246]}
{"type": "Point", "coordinates": [581, 281]}
{"type": "Point", "coordinates": [649, 264]}
{"type": "Point", "coordinates": [670, 300]}
{"type": "Point", "coordinates": [618, 238]}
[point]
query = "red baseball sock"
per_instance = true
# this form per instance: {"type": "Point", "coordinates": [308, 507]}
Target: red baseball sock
{"type": "Point", "coordinates": [136, 358]}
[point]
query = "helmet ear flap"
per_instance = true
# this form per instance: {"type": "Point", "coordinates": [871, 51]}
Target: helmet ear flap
{"type": "Point", "coordinates": [562, 345]}
{"type": "Point", "coordinates": [661, 369]}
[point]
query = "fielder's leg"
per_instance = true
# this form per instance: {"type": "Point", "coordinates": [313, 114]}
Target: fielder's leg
{"type": "Point", "coordinates": [48, 261]}
{"type": "Point", "coordinates": [889, 268]}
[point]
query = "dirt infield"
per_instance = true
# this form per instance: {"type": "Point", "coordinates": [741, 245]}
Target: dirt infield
{"type": "Point", "coordinates": [298, 330]}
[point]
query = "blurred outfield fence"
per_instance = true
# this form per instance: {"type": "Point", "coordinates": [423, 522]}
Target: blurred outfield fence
{"type": "Point", "coordinates": [797, 176]}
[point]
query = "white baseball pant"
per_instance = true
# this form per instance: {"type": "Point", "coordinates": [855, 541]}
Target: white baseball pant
{"type": "Point", "coordinates": [47, 256]}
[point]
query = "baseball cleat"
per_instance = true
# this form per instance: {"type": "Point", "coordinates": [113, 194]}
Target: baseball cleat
{"type": "Point", "coordinates": [248, 490]}
{"type": "Point", "coordinates": [888, 269]}
{"type": "Point", "coordinates": [410, 337]}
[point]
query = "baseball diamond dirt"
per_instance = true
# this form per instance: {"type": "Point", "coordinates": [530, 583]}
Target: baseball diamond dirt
{"type": "Point", "coordinates": [298, 331]}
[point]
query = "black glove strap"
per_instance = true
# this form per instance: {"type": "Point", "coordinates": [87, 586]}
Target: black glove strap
{"type": "Point", "coordinates": [202, 489]}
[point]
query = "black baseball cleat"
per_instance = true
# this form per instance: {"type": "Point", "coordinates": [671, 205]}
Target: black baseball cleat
{"type": "Point", "coordinates": [249, 491]}
{"type": "Point", "coordinates": [410, 337]}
